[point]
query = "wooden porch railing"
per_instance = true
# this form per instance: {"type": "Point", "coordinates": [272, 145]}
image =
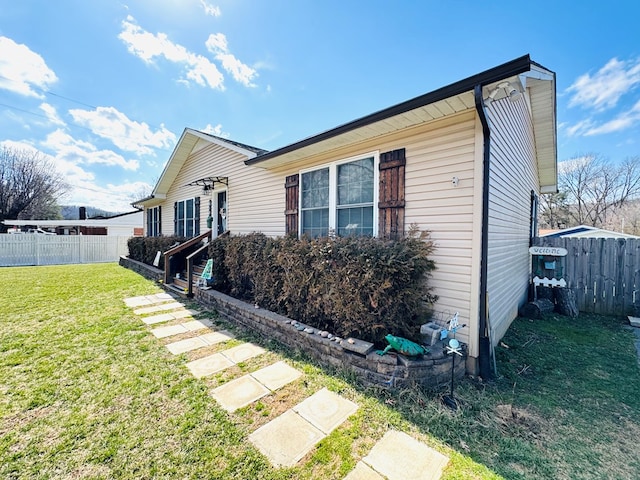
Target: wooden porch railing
{"type": "Point", "coordinates": [190, 260]}
{"type": "Point", "coordinates": [169, 270]}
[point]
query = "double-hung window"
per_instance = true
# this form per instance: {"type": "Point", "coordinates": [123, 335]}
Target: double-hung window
{"type": "Point", "coordinates": [154, 222]}
{"type": "Point", "coordinates": [185, 218]}
{"type": "Point", "coordinates": [340, 198]}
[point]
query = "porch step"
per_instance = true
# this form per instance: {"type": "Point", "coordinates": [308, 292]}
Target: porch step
{"type": "Point", "coordinates": [198, 269]}
{"type": "Point", "coordinates": [176, 289]}
{"type": "Point", "coordinates": [180, 282]}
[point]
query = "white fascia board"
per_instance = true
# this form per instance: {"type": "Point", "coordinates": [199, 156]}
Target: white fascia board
{"type": "Point", "coordinates": [242, 151]}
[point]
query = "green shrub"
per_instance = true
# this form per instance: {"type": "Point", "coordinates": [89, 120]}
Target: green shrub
{"type": "Point", "coordinates": [144, 249]}
{"type": "Point", "coordinates": [351, 286]}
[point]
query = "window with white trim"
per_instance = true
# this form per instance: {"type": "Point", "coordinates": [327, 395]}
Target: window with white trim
{"type": "Point", "coordinates": [340, 197]}
{"type": "Point", "coordinates": [154, 222]}
{"type": "Point", "coordinates": [185, 216]}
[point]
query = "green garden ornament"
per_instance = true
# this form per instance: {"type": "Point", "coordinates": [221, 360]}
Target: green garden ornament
{"type": "Point", "coordinates": [403, 346]}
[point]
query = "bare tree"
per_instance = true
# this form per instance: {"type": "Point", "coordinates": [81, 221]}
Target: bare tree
{"type": "Point", "coordinates": [29, 185]}
{"type": "Point", "coordinates": [626, 219]}
{"type": "Point", "coordinates": [596, 189]}
{"type": "Point", "coordinates": [554, 210]}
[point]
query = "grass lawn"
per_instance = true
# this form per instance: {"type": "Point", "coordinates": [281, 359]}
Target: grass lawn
{"type": "Point", "coordinates": [87, 392]}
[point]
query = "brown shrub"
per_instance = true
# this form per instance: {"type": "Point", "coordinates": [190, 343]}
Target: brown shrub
{"type": "Point", "coordinates": [351, 286]}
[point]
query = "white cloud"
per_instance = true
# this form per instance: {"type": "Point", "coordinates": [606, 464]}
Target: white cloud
{"type": "Point", "coordinates": [579, 128]}
{"type": "Point", "coordinates": [82, 187]}
{"type": "Point", "coordinates": [209, 9]}
{"type": "Point", "coordinates": [217, 130]}
{"type": "Point", "coordinates": [78, 152]}
{"type": "Point", "coordinates": [575, 163]}
{"type": "Point", "coordinates": [623, 121]}
{"type": "Point", "coordinates": [21, 69]}
{"type": "Point", "coordinates": [603, 90]}
{"type": "Point", "coordinates": [125, 133]}
{"type": "Point", "coordinates": [52, 114]}
{"type": "Point", "coordinates": [149, 46]}
{"type": "Point", "coordinates": [242, 73]}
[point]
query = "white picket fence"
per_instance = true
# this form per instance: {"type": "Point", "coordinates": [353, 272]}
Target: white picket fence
{"type": "Point", "coordinates": [32, 249]}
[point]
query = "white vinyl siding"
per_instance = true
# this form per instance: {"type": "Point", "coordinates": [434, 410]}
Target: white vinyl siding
{"type": "Point", "coordinates": [255, 202]}
{"type": "Point", "coordinates": [435, 153]}
{"type": "Point", "coordinates": [513, 175]}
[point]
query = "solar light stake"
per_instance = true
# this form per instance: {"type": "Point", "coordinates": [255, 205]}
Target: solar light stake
{"type": "Point", "coordinates": [453, 349]}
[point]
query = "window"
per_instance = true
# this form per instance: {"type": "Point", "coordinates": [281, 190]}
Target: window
{"type": "Point", "coordinates": [154, 222]}
{"type": "Point", "coordinates": [186, 218]}
{"type": "Point", "coordinates": [340, 198]}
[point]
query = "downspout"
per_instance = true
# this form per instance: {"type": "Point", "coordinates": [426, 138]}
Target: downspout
{"type": "Point", "coordinates": [484, 348]}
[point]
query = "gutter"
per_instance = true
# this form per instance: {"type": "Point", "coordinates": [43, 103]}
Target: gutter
{"type": "Point", "coordinates": [484, 349]}
{"type": "Point", "coordinates": [514, 67]}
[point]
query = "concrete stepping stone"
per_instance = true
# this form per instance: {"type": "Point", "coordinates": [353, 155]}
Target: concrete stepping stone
{"type": "Point", "coordinates": [180, 314]}
{"type": "Point", "coordinates": [286, 439]}
{"type": "Point", "coordinates": [165, 317]}
{"type": "Point", "coordinates": [398, 455]}
{"type": "Point", "coordinates": [364, 472]}
{"type": "Point", "coordinates": [239, 393]}
{"type": "Point", "coordinates": [163, 307]}
{"type": "Point", "coordinates": [325, 410]}
{"type": "Point", "coordinates": [169, 331]}
{"type": "Point", "coordinates": [134, 302]}
{"type": "Point", "coordinates": [214, 338]}
{"type": "Point", "coordinates": [277, 375]}
{"type": "Point", "coordinates": [209, 365]}
{"type": "Point", "coordinates": [243, 352]}
{"type": "Point", "coordinates": [162, 317]}
{"type": "Point", "coordinates": [145, 300]}
{"type": "Point", "coordinates": [186, 345]}
{"type": "Point", "coordinates": [195, 325]}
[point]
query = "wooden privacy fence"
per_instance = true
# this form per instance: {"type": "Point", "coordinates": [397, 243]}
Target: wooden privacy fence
{"type": "Point", "coordinates": [33, 249]}
{"type": "Point", "coordinates": [604, 273]}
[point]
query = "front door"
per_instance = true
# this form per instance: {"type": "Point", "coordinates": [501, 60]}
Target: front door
{"type": "Point", "coordinates": [222, 212]}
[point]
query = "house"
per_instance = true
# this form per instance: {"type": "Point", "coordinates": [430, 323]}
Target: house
{"type": "Point", "coordinates": [466, 162]}
{"type": "Point", "coordinates": [125, 225]}
{"type": "Point", "coordinates": [584, 231]}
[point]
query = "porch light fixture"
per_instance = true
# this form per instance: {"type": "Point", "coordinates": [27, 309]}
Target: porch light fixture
{"type": "Point", "coordinates": [511, 92]}
{"type": "Point", "coordinates": [208, 183]}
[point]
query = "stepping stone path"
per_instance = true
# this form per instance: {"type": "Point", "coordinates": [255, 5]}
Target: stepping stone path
{"type": "Point", "coordinates": [286, 439]}
{"type": "Point", "coordinates": [398, 456]}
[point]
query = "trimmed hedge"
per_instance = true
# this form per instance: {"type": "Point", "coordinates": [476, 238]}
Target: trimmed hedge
{"type": "Point", "coordinates": [144, 249]}
{"type": "Point", "coordinates": [351, 286]}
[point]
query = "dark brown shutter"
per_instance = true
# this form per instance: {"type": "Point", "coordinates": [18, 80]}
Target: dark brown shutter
{"type": "Point", "coordinates": [291, 186]}
{"type": "Point", "coordinates": [391, 201]}
{"type": "Point", "coordinates": [175, 218]}
{"type": "Point", "coordinates": [196, 215]}
{"type": "Point", "coordinates": [159, 220]}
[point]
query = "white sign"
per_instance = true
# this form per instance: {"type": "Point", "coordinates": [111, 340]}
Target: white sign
{"type": "Point", "coordinates": [552, 251]}
{"type": "Point", "coordinates": [545, 282]}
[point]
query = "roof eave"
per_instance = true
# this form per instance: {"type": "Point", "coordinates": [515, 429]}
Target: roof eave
{"type": "Point", "coordinates": [514, 67]}
{"type": "Point", "coordinates": [189, 139]}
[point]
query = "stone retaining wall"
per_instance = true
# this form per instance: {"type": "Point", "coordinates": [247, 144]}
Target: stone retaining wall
{"type": "Point", "coordinates": [147, 271]}
{"type": "Point", "coordinates": [390, 370]}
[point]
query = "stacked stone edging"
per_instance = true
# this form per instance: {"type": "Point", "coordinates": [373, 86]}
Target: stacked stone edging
{"type": "Point", "coordinates": [147, 271]}
{"type": "Point", "coordinates": [391, 370]}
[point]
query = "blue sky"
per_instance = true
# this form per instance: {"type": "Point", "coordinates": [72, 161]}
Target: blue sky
{"type": "Point", "coordinates": [105, 88]}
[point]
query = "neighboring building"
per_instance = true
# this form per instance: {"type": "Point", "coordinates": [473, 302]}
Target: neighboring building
{"type": "Point", "coordinates": [126, 224]}
{"type": "Point", "coordinates": [466, 162]}
{"type": "Point", "coordinates": [584, 231]}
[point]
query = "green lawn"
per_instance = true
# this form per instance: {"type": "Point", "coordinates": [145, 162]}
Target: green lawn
{"type": "Point", "coordinates": [87, 392]}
